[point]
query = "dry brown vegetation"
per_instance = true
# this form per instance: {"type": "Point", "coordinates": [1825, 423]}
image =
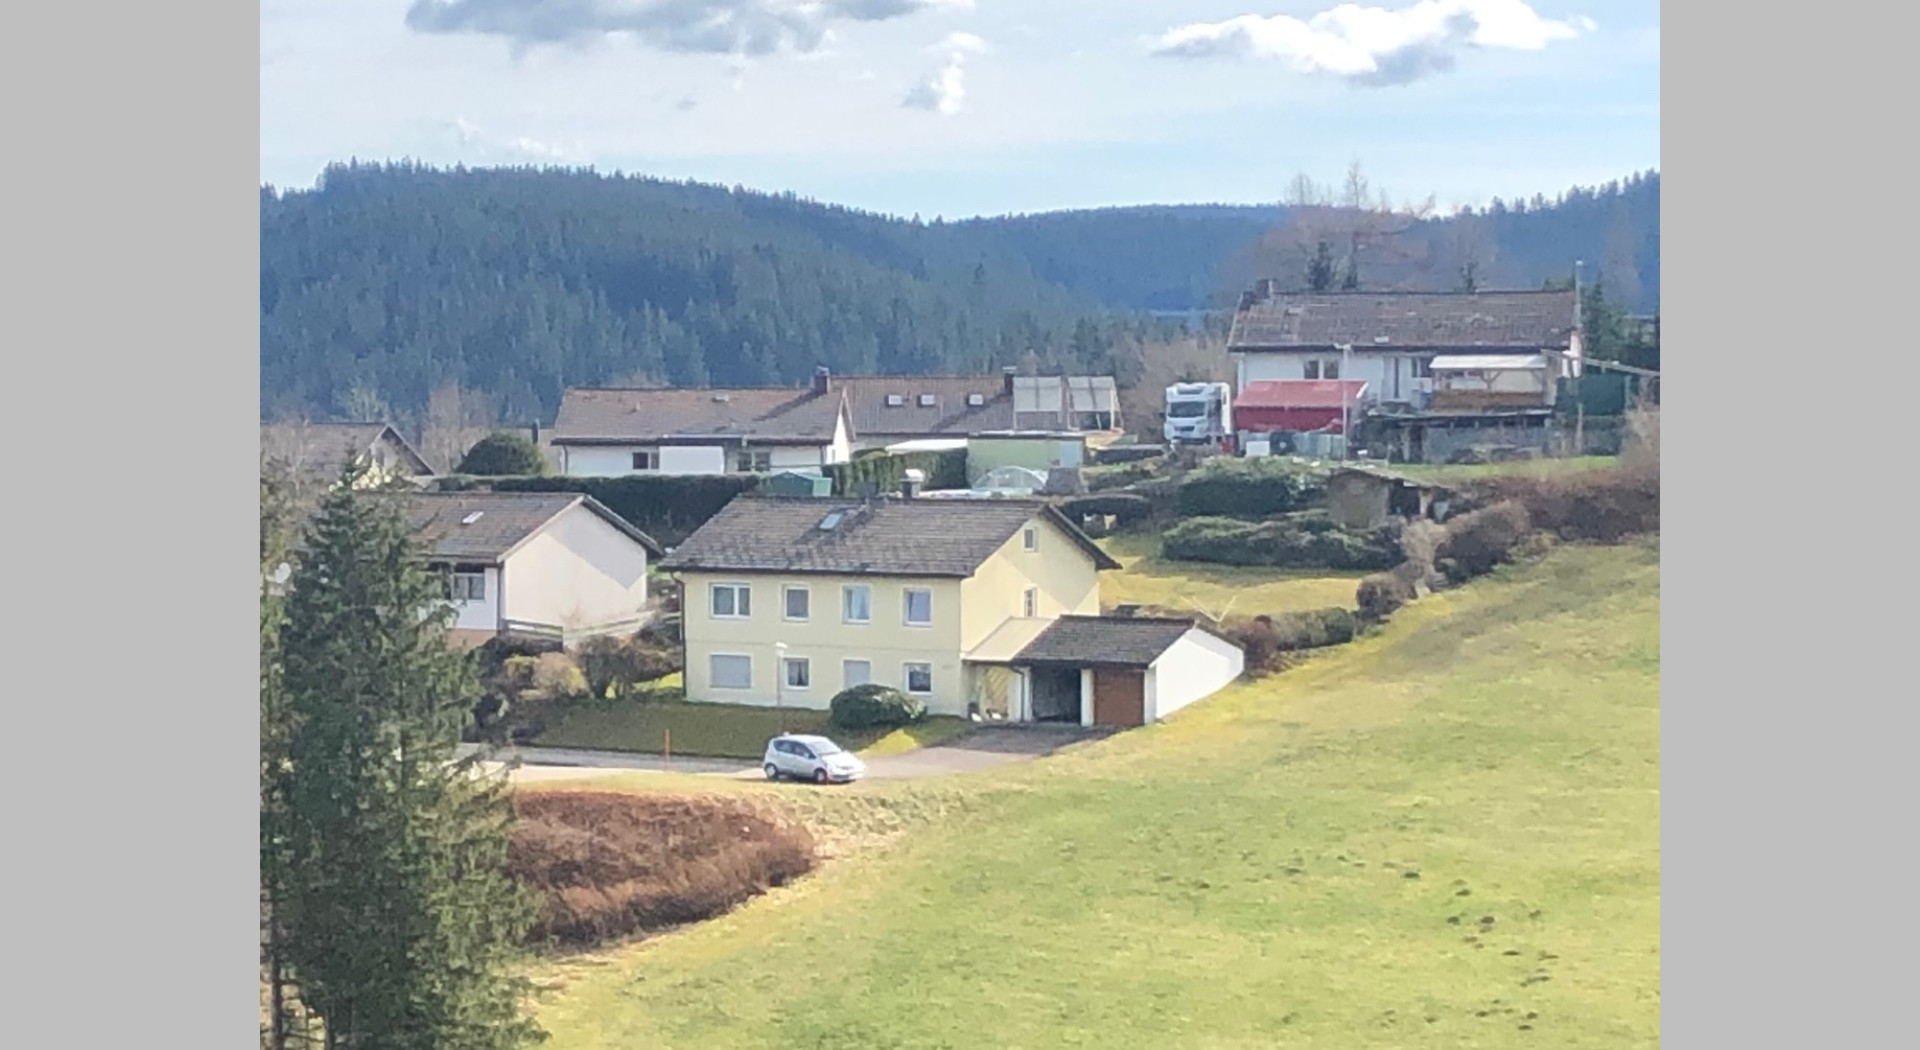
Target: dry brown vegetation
{"type": "Point", "coordinates": [609, 865]}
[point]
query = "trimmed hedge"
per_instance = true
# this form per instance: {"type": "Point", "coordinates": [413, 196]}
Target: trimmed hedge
{"type": "Point", "coordinates": [944, 470]}
{"type": "Point", "coordinates": [1249, 488]}
{"type": "Point", "coordinates": [1308, 540]}
{"type": "Point", "coordinates": [1479, 541]}
{"type": "Point", "coordinates": [1605, 506]}
{"type": "Point", "coordinates": [1383, 594]}
{"type": "Point", "coordinates": [1126, 508]}
{"type": "Point", "coordinates": [866, 706]}
{"type": "Point", "coordinates": [667, 507]}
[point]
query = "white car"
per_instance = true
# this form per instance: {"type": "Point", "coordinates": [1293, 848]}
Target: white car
{"type": "Point", "coordinates": [812, 758]}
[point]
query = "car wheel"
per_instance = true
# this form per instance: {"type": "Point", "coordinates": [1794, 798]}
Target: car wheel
{"type": "Point", "coordinates": [819, 776]}
{"type": "Point", "coordinates": [773, 771]}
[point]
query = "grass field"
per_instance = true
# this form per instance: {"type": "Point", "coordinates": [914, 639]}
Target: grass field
{"type": "Point", "coordinates": [1148, 579]}
{"type": "Point", "coordinates": [1538, 467]}
{"type": "Point", "coordinates": [1443, 835]}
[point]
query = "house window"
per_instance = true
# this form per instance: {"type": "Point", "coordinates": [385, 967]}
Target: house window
{"type": "Point", "coordinates": [1030, 603]}
{"type": "Point", "coordinates": [1311, 370]}
{"type": "Point", "coordinates": [919, 607]}
{"type": "Point", "coordinates": [467, 587]}
{"type": "Point", "coordinates": [730, 672]}
{"type": "Point", "coordinates": [751, 461]}
{"type": "Point", "coordinates": [1030, 538]}
{"type": "Point", "coordinates": [799, 603]}
{"type": "Point", "coordinates": [1423, 368]}
{"type": "Point", "coordinates": [919, 678]}
{"type": "Point", "coordinates": [646, 461]}
{"type": "Point", "coordinates": [1330, 370]}
{"type": "Point", "coordinates": [797, 672]}
{"type": "Point", "coordinates": [857, 603]}
{"type": "Point", "coordinates": [855, 672]}
{"type": "Point", "coordinates": [732, 601]}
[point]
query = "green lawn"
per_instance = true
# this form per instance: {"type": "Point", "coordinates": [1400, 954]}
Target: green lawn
{"type": "Point", "coordinates": [1148, 579]}
{"type": "Point", "coordinates": [724, 730]}
{"type": "Point", "coordinates": [1468, 471]}
{"type": "Point", "coordinates": [1443, 835]}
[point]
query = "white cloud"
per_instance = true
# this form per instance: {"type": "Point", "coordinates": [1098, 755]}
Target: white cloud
{"type": "Point", "coordinates": [482, 145]}
{"type": "Point", "coordinates": [945, 90]}
{"type": "Point", "coordinates": [740, 27]}
{"type": "Point", "coordinates": [1375, 45]}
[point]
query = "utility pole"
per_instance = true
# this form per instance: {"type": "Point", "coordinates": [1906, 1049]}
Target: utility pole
{"type": "Point", "coordinates": [780, 683]}
{"type": "Point", "coordinates": [1346, 409]}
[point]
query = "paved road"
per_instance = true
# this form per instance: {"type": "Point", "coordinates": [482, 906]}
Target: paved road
{"type": "Point", "coordinates": [985, 748]}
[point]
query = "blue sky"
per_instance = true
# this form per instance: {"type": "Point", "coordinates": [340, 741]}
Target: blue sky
{"type": "Point", "coordinates": [968, 107]}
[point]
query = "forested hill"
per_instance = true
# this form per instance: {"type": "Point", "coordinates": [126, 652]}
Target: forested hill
{"type": "Point", "coordinates": [386, 282]}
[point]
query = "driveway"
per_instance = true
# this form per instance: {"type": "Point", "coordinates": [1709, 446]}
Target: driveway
{"type": "Point", "coordinates": [987, 747]}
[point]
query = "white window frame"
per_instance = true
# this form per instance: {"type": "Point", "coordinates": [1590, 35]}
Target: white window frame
{"type": "Point", "coordinates": [787, 664]}
{"type": "Point", "coordinates": [738, 589]}
{"type": "Point", "coordinates": [1030, 538]}
{"type": "Point", "coordinates": [714, 679]}
{"type": "Point", "coordinates": [646, 460]}
{"type": "Point", "coordinates": [846, 680]}
{"type": "Point", "coordinates": [1030, 602]}
{"type": "Point", "coordinates": [758, 461]}
{"type": "Point", "coordinates": [846, 595]}
{"type": "Point", "coordinates": [786, 602]}
{"type": "Point", "coordinates": [906, 606]}
{"type": "Point", "coordinates": [906, 678]}
{"type": "Point", "coordinates": [475, 581]}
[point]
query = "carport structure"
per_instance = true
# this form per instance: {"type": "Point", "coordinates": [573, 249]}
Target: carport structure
{"type": "Point", "coordinates": [1119, 670]}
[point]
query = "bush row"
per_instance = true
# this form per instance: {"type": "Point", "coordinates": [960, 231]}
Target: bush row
{"type": "Point", "coordinates": [1604, 506]}
{"type": "Point", "coordinates": [1249, 488]}
{"type": "Point", "coordinates": [884, 471]}
{"type": "Point", "coordinates": [1308, 540]}
{"type": "Point", "coordinates": [1266, 639]}
{"type": "Point", "coordinates": [667, 507]}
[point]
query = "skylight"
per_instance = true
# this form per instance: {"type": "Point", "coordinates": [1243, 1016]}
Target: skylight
{"type": "Point", "coordinates": [471, 518]}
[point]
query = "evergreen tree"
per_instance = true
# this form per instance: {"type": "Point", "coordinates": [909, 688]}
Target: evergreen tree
{"type": "Point", "coordinates": [397, 916]}
{"type": "Point", "coordinates": [276, 526]}
{"type": "Point", "coordinates": [1320, 270]}
{"type": "Point", "coordinates": [1350, 281]}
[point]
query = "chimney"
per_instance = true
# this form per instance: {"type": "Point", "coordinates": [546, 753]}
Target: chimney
{"type": "Point", "coordinates": [1006, 375]}
{"type": "Point", "coordinates": [822, 380]}
{"type": "Point", "coordinates": [536, 433]}
{"type": "Point", "coordinates": [910, 483]}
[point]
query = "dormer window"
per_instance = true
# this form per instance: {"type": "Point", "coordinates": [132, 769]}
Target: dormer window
{"type": "Point", "coordinates": [895, 400]}
{"type": "Point", "coordinates": [927, 400]}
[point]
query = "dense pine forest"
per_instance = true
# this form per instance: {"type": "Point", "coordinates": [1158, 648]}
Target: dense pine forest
{"type": "Point", "coordinates": [386, 286]}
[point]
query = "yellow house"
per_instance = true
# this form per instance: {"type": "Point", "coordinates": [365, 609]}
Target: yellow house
{"type": "Point", "coordinates": [789, 600]}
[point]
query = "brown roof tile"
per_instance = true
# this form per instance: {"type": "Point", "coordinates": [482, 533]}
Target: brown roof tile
{"type": "Point", "coordinates": [504, 521]}
{"type": "Point", "coordinates": [884, 537]}
{"type": "Point", "coordinates": [949, 415]}
{"type": "Point", "coordinates": [600, 414]}
{"type": "Point", "coordinates": [1104, 641]}
{"type": "Point", "coordinates": [1408, 320]}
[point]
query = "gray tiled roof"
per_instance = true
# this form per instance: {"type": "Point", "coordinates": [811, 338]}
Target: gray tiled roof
{"type": "Point", "coordinates": [599, 414]}
{"type": "Point", "coordinates": [885, 537]}
{"type": "Point", "coordinates": [1449, 320]}
{"type": "Point", "coordinates": [1108, 641]}
{"type": "Point", "coordinates": [321, 449]}
{"type": "Point", "coordinates": [949, 415]}
{"type": "Point", "coordinates": [505, 520]}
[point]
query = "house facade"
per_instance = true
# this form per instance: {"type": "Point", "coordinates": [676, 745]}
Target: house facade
{"type": "Point", "coordinates": [559, 567]}
{"type": "Point", "coordinates": [788, 601]}
{"type": "Point", "coordinates": [317, 452]}
{"type": "Point", "coordinates": [1390, 340]}
{"type": "Point", "coordinates": [615, 432]}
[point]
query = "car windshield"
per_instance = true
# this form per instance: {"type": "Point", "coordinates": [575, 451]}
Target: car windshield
{"type": "Point", "coordinates": [1187, 409]}
{"type": "Point", "coordinates": [823, 748]}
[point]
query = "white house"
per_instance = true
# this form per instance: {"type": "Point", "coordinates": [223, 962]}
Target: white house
{"type": "Point", "coordinates": [613, 432]}
{"type": "Point", "coordinates": [558, 566]}
{"type": "Point", "coordinates": [1390, 339]}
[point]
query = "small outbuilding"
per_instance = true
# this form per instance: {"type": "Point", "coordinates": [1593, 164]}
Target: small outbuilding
{"type": "Point", "coordinates": [1122, 670]}
{"type": "Point", "coordinates": [1365, 498]}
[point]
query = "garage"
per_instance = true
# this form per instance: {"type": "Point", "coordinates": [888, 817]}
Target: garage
{"type": "Point", "coordinates": [1124, 671]}
{"type": "Point", "coordinates": [1119, 697]}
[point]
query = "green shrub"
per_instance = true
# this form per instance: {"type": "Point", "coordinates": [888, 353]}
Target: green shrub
{"type": "Point", "coordinates": [1480, 540]}
{"type": "Point", "coordinates": [613, 666]}
{"type": "Point", "coordinates": [866, 706]}
{"type": "Point", "coordinates": [1309, 540]}
{"type": "Point", "coordinates": [503, 454]}
{"type": "Point", "coordinates": [1339, 625]}
{"type": "Point", "coordinates": [1249, 488]}
{"type": "Point", "coordinates": [556, 677]}
{"type": "Point", "coordinates": [1126, 509]}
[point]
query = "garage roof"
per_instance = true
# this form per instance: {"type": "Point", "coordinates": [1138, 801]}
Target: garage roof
{"type": "Point", "coordinates": [1104, 641]}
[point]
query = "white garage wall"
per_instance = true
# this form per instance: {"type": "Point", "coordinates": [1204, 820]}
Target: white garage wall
{"type": "Point", "coordinates": [1193, 668]}
{"type": "Point", "coordinates": [483, 615]}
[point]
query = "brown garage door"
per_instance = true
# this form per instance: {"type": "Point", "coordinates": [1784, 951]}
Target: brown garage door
{"type": "Point", "coordinates": [1119, 697]}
